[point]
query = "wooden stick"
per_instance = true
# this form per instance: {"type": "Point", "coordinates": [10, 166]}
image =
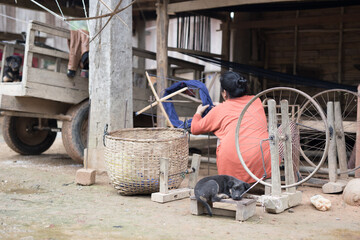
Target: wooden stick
{"type": "Point", "coordinates": [190, 98]}
{"type": "Point", "coordinates": [112, 11]}
{"type": "Point", "coordinates": [158, 99]}
{"type": "Point", "coordinates": [161, 100]}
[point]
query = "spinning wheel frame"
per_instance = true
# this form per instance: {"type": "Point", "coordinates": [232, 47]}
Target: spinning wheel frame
{"type": "Point", "coordinates": [323, 118]}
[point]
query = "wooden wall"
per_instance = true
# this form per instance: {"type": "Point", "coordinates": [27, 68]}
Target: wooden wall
{"type": "Point", "coordinates": [322, 43]}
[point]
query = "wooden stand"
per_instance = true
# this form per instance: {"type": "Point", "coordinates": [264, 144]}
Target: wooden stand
{"type": "Point", "coordinates": [337, 149]}
{"type": "Point", "coordinates": [277, 201]}
{"type": "Point", "coordinates": [166, 195]}
{"type": "Point", "coordinates": [245, 208]}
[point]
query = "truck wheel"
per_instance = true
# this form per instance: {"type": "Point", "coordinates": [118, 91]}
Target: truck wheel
{"type": "Point", "coordinates": [74, 132]}
{"type": "Point", "coordinates": [21, 135]}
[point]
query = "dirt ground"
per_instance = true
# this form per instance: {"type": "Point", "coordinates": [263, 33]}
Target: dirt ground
{"type": "Point", "coordinates": [39, 200]}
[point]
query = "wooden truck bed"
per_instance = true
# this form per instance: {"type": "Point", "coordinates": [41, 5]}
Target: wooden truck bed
{"type": "Point", "coordinates": [48, 79]}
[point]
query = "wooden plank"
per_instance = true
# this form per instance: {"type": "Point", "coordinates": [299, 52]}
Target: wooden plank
{"type": "Point", "coordinates": [195, 164]}
{"type": "Point", "coordinates": [60, 117]}
{"type": "Point", "coordinates": [274, 150]}
{"type": "Point", "coordinates": [206, 54]}
{"type": "Point", "coordinates": [210, 4]}
{"type": "Point", "coordinates": [349, 126]}
{"type": "Point", "coordinates": [288, 161]}
{"type": "Point", "coordinates": [332, 147]}
{"type": "Point", "coordinates": [28, 56]}
{"type": "Point", "coordinates": [12, 89]}
{"type": "Point", "coordinates": [50, 78]}
{"type": "Point", "coordinates": [164, 175]}
{"type": "Point", "coordinates": [52, 30]}
{"type": "Point", "coordinates": [55, 93]}
{"type": "Point", "coordinates": [32, 105]}
{"type": "Point", "coordinates": [49, 52]}
{"type": "Point", "coordinates": [340, 140]}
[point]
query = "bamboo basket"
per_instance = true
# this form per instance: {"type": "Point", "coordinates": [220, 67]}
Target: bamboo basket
{"type": "Point", "coordinates": [132, 158]}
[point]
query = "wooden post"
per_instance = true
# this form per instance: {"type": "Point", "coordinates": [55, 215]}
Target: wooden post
{"type": "Point", "coordinates": [110, 77]}
{"type": "Point", "coordinates": [286, 138]}
{"type": "Point", "coordinates": [274, 149]}
{"type": "Point", "coordinates": [195, 163]}
{"type": "Point", "coordinates": [332, 148]}
{"type": "Point", "coordinates": [340, 140]}
{"type": "Point", "coordinates": [296, 31]}
{"type": "Point", "coordinates": [164, 175]}
{"type": "Point", "coordinates": [357, 158]}
{"type": "Point", "coordinates": [225, 46]}
{"type": "Point", "coordinates": [28, 56]}
{"type": "Point", "coordinates": [340, 47]}
{"type": "Point", "coordinates": [162, 23]}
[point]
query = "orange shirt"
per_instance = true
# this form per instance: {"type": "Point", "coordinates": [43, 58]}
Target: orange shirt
{"type": "Point", "coordinates": [222, 120]}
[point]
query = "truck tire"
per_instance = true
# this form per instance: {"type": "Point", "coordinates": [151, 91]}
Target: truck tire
{"type": "Point", "coordinates": [74, 132]}
{"type": "Point", "coordinates": [21, 136]}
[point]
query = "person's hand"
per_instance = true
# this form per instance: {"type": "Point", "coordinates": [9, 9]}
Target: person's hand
{"type": "Point", "coordinates": [200, 109]}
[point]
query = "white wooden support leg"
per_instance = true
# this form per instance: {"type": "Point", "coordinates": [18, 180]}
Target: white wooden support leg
{"type": "Point", "coordinates": [166, 195]}
{"type": "Point", "coordinates": [274, 149]}
{"type": "Point", "coordinates": [164, 175]}
{"type": "Point", "coordinates": [195, 165]}
{"type": "Point", "coordinates": [340, 140]}
{"type": "Point", "coordinates": [333, 186]}
{"type": "Point", "coordinates": [332, 149]}
{"type": "Point", "coordinates": [288, 161]}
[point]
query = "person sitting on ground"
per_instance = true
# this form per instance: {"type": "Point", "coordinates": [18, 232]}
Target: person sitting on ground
{"type": "Point", "coordinates": [222, 121]}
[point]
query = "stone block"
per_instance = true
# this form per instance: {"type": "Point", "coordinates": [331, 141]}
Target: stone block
{"type": "Point", "coordinates": [334, 187]}
{"type": "Point", "coordinates": [85, 177]}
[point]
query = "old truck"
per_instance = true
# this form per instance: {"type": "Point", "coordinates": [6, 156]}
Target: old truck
{"type": "Point", "coordinates": [46, 97]}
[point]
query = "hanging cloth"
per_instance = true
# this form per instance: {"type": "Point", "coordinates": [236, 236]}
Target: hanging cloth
{"type": "Point", "coordinates": [191, 84]}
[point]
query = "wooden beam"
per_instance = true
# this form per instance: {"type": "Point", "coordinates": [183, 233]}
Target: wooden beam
{"type": "Point", "coordinates": [184, 51]}
{"type": "Point", "coordinates": [303, 21]}
{"type": "Point", "coordinates": [209, 4]}
{"type": "Point", "coordinates": [76, 11]}
{"type": "Point", "coordinates": [178, 62]}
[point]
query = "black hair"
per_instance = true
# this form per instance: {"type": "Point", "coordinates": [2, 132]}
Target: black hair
{"type": "Point", "coordinates": [234, 84]}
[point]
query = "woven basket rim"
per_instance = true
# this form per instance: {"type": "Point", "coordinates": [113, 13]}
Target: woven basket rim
{"type": "Point", "coordinates": [146, 129]}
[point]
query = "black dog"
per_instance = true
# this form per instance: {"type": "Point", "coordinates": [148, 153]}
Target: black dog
{"type": "Point", "coordinates": [12, 69]}
{"type": "Point", "coordinates": [215, 188]}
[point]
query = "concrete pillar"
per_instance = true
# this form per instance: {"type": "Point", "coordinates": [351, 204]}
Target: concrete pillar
{"type": "Point", "coordinates": [110, 78]}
